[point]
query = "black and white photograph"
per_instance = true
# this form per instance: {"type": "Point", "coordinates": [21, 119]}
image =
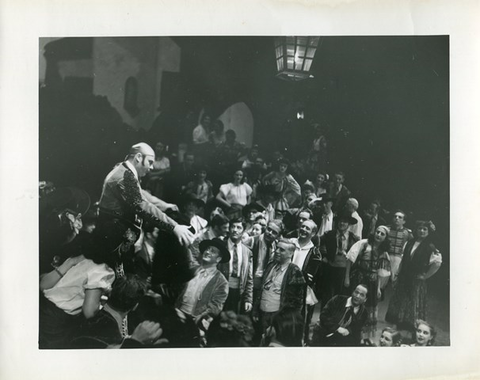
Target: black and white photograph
{"type": "Point", "coordinates": [186, 186]}
{"type": "Point", "coordinates": [281, 191]}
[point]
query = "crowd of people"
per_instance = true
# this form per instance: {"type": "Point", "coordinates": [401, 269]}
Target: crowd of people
{"type": "Point", "coordinates": [217, 245]}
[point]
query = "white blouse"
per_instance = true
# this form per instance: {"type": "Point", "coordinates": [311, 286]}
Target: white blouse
{"type": "Point", "coordinates": [236, 194]}
{"type": "Point", "coordinates": [68, 294]}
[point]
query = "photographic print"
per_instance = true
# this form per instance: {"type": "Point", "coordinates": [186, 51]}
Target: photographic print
{"type": "Point", "coordinates": [280, 189]}
{"type": "Point", "coordinates": [242, 191]}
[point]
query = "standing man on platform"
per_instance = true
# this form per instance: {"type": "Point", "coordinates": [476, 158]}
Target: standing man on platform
{"type": "Point", "coordinates": [123, 198]}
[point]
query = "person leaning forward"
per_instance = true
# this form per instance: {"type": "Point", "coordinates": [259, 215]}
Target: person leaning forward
{"type": "Point", "coordinates": [123, 198]}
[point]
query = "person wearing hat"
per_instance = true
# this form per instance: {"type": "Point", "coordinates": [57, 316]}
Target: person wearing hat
{"type": "Point", "coordinates": [123, 198]}
{"type": "Point", "coordinates": [322, 214]}
{"type": "Point", "coordinates": [334, 246]}
{"type": "Point", "coordinates": [204, 295]}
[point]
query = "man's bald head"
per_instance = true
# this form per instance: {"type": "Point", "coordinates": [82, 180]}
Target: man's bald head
{"type": "Point", "coordinates": [142, 148]}
{"type": "Point", "coordinates": [142, 157]}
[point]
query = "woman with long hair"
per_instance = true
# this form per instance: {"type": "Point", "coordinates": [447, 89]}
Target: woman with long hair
{"type": "Point", "coordinates": [421, 260]}
{"type": "Point", "coordinates": [365, 261]}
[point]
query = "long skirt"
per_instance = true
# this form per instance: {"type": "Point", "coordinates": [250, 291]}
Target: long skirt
{"type": "Point", "coordinates": [409, 303]}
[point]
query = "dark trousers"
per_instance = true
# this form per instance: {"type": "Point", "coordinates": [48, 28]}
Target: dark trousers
{"type": "Point", "coordinates": [233, 301]}
{"type": "Point", "coordinates": [332, 284]}
{"type": "Point", "coordinates": [56, 327]}
{"type": "Point", "coordinates": [308, 320]}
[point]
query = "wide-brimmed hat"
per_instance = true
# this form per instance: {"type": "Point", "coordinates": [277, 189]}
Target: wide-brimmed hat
{"type": "Point", "coordinates": [217, 243]}
{"type": "Point", "coordinates": [346, 217]}
{"type": "Point", "coordinates": [71, 199]}
{"type": "Point", "coordinates": [252, 207]}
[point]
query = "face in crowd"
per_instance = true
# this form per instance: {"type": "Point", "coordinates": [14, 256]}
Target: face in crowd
{"type": "Point", "coordinates": [236, 231]}
{"type": "Point", "coordinates": [221, 230]}
{"type": "Point", "coordinates": [386, 339]}
{"type": "Point", "coordinates": [238, 177]}
{"type": "Point", "coordinates": [423, 335]}
{"type": "Point", "coordinates": [307, 230]}
{"type": "Point", "coordinates": [359, 295]}
{"type": "Point", "coordinates": [342, 225]}
{"type": "Point", "coordinates": [422, 232]}
{"type": "Point", "coordinates": [338, 180]}
{"type": "Point", "coordinates": [272, 232]}
{"type": "Point", "coordinates": [320, 180]}
{"type": "Point", "coordinates": [399, 219]}
{"type": "Point", "coordinates": [211, 255]}
{"type": "Point", "coordinates": [283, 253]}
{"type": "Point", "coordinates": [380, 235]}
{"type": "Point", "coordinates": [302, 217]}
{"type": "Point", "coordinates": [256, 230]}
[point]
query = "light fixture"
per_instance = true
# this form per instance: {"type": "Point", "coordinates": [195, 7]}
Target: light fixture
{"type": "Point", "coordinates": [295, 56]}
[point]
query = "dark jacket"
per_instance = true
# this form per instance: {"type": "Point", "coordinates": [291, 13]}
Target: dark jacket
{"type": "Point", "coordinates": [311, 266]}
{"type": "Point", "coordinates": [256, 254]}
{"type": "Point", "coordinates": [123, 197]}
{"type": "Point", "coordinates": [411, 267]}
{"type": "Point", "coordinates": [328, 244]}
{"type": "Point", "coordinates": [340, 199]}
{"type": "Point", "coordinates": [367, 223]}
{"type": "Point", "coordinates": [293, 287]}
{"type": "Point", "coordinates": [330, 319]}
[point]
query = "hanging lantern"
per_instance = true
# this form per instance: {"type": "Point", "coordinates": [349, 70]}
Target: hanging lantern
{"type": "Point", "coordinates": [295, 56]}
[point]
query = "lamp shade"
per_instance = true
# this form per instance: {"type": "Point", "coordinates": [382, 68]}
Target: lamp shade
{"type": "Point", "coordinates": [294, 56]}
